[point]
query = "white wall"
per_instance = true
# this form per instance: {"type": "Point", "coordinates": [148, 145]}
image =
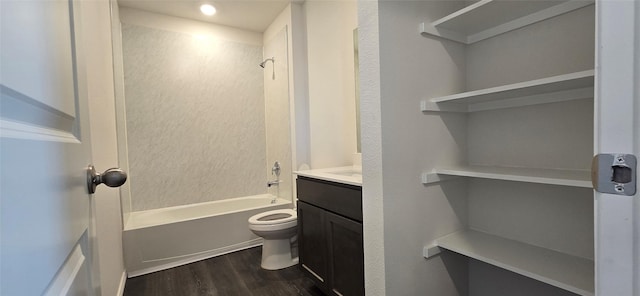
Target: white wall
{"type": "Point", "coordinates": [371, 141]}
{"type": "Point", "coordinates": [195, 111]}
{"type": "Point", "coordinates": [292, 18]}
{"type": "Point", "coordinates": [398, 145]}
{"type": "Point", "coordinates": [277, 114]}
{"type": "Point", "coordinates": [556, 46]}
{"type": "Point", "coordinates": [108, 223]}
{"type": "Point", "coordinates": [414, 67]}
{"type": "Point", "coordinates": [330, 57]}
{"type": "Point", "coordinates": [290, 23]}
{"type": "Point", "coordinates": [299, 85]}
{"type": "Point", "coordinates": [186, 26]}
{"type": "Point", "coordinates": [121, 128]}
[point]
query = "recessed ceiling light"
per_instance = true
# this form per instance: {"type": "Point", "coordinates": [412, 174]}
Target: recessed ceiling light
{"type": "Point", "coordinates": [208, 9]}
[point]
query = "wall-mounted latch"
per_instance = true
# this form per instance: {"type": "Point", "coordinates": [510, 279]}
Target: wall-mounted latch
{"type": "Point", "coordinates": [614, 173]}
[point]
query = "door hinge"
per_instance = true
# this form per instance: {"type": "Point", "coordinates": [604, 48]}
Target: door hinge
{"type": "Point", "coordinates": [614, 173]}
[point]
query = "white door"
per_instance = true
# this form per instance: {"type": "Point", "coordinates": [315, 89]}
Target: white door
{"type": "Point", "coordinates": [45, 148]}
{"type": "Point", "coordinates": [617, 131]}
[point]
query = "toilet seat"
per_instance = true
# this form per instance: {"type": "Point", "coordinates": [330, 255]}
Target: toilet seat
{"type": "Point", "coordinates": [277, 217]}
{"type": "Point", "coordinates": [274, 220]}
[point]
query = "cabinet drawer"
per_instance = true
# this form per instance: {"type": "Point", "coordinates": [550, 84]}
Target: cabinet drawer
{"type": "Point", "coordinates": [339, 198]}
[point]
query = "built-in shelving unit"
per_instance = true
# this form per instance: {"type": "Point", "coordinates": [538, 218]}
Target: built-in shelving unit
{"type": "Point", "coordinates": [527, 240]}
{"type": "Point", "coordinates": [559, 88]}
{"type": "Point", "coordinates": [572, 178]}
{"type": "Point", "coordinates": [487, 18]}
{"type": "Point", "coordinates": [564, 271]}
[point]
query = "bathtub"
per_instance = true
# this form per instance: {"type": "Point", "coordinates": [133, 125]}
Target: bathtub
{"type": "Point", "coordinates": [159, 239]}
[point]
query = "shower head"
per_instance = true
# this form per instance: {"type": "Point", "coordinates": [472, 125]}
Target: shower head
{"type": "Point", "coordinates": [265, 61]}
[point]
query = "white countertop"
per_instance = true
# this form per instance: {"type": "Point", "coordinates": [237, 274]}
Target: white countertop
{"type": "Point", "coordinates": [345, 175]}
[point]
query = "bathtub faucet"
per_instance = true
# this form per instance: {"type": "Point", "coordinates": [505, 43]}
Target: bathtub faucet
{"type": "Point", "coordinates": [274, 182]}
{"type": "Point", "coordinates": [275, 170]}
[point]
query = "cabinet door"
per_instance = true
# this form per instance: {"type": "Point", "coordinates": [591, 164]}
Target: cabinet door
{"type": "Point", "coordinates": [346, 258]}
{"type": "Point", "coordinates": [312, 243]}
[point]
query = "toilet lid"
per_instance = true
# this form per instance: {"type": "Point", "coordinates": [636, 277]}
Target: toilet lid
{"type": "Point", "coordinates": [274, 217]}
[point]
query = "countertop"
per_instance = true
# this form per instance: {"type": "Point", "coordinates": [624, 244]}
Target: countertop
{"type": "Point", "coordinates": [345, 175]}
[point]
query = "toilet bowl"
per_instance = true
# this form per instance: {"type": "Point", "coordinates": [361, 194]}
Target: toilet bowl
{"type": "Point", "coordinates": [277, 228]}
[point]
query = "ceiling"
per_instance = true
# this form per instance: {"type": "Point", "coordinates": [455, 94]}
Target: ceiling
{"type": "Point", "coordinates": [252, 15]}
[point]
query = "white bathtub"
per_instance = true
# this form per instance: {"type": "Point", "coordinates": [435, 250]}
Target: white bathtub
{"type": "Point", "coordinates": [168, 237]}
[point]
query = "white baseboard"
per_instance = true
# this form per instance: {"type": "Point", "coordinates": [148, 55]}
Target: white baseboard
{"type": "Point", "coordinates": [123, 281]}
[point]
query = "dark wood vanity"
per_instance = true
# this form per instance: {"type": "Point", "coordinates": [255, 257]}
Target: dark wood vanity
{"type": "Point", "coordinates": [330, 242]}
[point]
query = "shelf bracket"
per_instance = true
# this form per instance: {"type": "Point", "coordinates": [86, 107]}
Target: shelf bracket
{"type": "Point", "coordinates": [427, 106]}
{"type": "Point", "coordinates": [427, 29]}
{"type": "Point", "coordinates": [433, 177]}
{"type": "Point", "coordinates": [431, 250]}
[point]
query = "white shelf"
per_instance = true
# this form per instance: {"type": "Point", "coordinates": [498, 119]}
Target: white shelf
{"type": "Point", "coordinates": [564, 271]}
{"type": "Point", "coordinates": [573, 86]}
{"type": "Point", "coordinates": [487, 18]}
{"type": "Point", "coordinates": [573, 178]}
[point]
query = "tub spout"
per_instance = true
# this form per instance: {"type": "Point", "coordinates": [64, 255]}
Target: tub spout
{"type": "Point", "coordinates": [275, 182]}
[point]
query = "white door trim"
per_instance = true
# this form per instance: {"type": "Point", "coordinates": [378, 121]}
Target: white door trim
{"type": "Point", "coordinates": [617, 131]}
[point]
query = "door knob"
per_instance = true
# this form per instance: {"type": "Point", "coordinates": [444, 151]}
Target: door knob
{"type": "Point", "coordinates": [113, 177]}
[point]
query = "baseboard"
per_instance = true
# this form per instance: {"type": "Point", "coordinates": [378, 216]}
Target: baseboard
{"type": "Point", "coordinates": [123, 282]}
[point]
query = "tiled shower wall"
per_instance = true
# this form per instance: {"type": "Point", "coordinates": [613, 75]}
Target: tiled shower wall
{"type": "Point", "coordinates": [195, 118]}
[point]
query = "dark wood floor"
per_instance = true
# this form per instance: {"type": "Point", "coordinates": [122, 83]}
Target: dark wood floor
{"type": "Point", "coordinates": [237, 273]}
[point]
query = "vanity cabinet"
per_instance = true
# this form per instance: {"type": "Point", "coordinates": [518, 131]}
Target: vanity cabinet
{"type": "Point", "coordinates": [330, 241]}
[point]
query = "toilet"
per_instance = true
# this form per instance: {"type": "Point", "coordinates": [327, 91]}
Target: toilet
{"type": "Point", "coordinates": [277, 228]}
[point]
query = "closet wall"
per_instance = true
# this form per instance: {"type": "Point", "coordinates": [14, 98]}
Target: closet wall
{"type": "Point", "coordinates": [412, 68]}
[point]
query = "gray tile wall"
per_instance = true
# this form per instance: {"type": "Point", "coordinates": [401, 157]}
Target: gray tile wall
{"type": "Point", "coordinates": [195, 118]}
